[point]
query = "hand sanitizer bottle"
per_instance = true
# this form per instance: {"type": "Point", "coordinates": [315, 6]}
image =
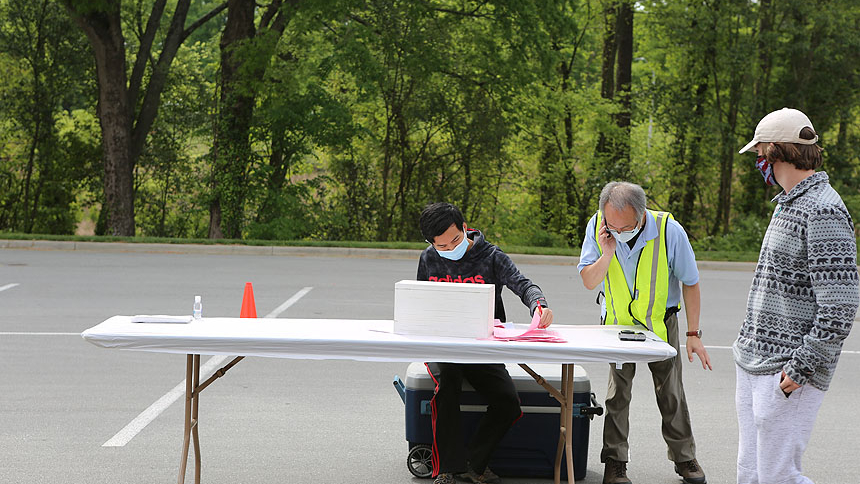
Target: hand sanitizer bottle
{"type": "Point", "coordinates": [197, 312]}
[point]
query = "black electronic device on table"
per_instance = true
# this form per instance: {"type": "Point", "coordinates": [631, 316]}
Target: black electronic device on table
{"type": "Point", "coordinates": [630, 335]}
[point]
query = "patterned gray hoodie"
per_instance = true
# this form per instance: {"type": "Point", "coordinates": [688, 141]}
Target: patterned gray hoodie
{"type": "Point", "coordinates": [804, 294]}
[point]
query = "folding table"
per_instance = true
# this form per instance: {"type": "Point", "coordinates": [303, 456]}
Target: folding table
{"type": "Point", "coordinates": [365, 340]}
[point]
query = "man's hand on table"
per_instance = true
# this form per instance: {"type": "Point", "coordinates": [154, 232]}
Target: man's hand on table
{"type": "Point", "coordinates": [545, 318]}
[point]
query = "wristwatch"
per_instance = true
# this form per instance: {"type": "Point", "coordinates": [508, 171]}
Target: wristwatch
{"type": "Point", "coordinates": [697, 333]}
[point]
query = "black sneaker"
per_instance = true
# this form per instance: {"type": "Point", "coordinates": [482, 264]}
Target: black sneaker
{"type": "Point", "coordinates": [445, 478]}
{"type": "Point", "coordinates": [691, 472]}
{"type": "Point", "coordinates": [487, 477]}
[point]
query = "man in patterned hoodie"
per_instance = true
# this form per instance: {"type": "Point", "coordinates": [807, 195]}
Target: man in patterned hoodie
{"type": "Point", "coordinates": [801, 305]}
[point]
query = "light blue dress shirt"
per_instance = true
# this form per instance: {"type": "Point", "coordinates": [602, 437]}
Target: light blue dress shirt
{"type": "Point", "coordinates": [682, 260]}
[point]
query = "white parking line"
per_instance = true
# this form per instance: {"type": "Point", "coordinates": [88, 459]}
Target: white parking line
{"type": "Point", "coordinates": [141, 421]}
{"type": "Point", "coordinates": [8, 286]}
{"type": "Point", "coordinates": [289, 302]}
{"type": "Point", "coordinates": [21, 333]}
{"type": "Point", "coordinates": [134, 427]}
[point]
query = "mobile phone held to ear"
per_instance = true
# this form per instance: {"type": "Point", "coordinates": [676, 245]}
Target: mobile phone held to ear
{"type": "Point", "coordinates": [630, 335]}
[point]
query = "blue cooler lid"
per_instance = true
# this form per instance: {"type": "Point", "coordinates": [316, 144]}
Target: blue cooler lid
{"type": "Point", "coordinates": [417, 378]}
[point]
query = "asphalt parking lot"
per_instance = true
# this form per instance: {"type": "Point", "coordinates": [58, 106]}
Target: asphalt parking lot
{"type": "Point", "coordinates": [297, 421]}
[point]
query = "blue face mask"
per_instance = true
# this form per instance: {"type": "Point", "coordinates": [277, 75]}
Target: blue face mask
{"type": "Point", "coordinates": [457, 252]}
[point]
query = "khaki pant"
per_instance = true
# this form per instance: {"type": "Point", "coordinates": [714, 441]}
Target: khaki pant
{"type": "Point", "coordinates": [671, 400]}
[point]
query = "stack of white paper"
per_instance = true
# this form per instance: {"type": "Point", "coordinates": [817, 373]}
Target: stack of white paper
{"type": "Point", "coordinates": [160, 318]}
{"type": "Point", "coordinates": [444, 309]}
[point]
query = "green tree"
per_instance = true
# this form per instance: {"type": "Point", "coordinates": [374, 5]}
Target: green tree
{"type": "Point", "coordinates": [128, 104]}
{"type": "Point", "coordinates": [243, 65]}
{"type": "Point", "coordinates": [171, 175]}
{"type": "Point", "coordinates": [45, 57]}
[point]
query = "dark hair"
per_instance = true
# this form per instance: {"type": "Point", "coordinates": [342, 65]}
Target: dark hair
{"type": "Point", "coordinates": [803, 157]}
{"type": "Point", "coordinates": [438, 217]}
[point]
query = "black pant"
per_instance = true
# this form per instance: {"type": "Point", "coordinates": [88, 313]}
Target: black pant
{"type": "Point", "coordinates": [491, 381]}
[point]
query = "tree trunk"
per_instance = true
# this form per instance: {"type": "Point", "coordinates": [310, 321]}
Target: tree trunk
{"type": "Point", "coordinates": [691, 168]}
{"type": "Point", "coordinates": [756, 192]}
{"type": "Point", "coordinates": [545, 190]}
{"type": "Point", "coordinates": [607, 79]}
{"type": "Point", "coordinates": [232, 148]}
{"type": "Point", "coordinates": [467, 182]}
{"type": "Point", "coordinates": [215, 217]}
{"type": "Point", "coordinates": [31, 161]}
{"type": "Point", "coordinates": [384, 227]}
{"type": "Point", "coordinates": [607, 68]}
{"type": "Point", "coordinates": [623, 77]}
{"type": "Point", "coordinates": [104, 30]}
{"type": "Point", "coordinates": [727, 158]}
{"type": "Point", "coordinates": [565, 70]}
{"type": "Point", "coordinates": [838, 161]}
{"type": "Point", "coordinates": [675, 189]}
{"type": "Point", "coordinates": [232, 145]}
{"type": "Point", "coordinates": [407, 164]}
{"type": "Point", "coordinates": [123, 132]}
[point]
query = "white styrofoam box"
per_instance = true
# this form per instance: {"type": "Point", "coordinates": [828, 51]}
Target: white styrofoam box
{"type": "Point", "coordinates": [444, 309]}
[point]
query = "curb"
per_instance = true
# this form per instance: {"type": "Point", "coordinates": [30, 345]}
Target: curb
{"type": "Point", "coordinates": [352, 252]}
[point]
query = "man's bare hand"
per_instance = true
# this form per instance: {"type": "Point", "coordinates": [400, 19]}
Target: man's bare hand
{"type": "Point", "coordinates": [606, 240]}
{"type": "Point", "coordinates": [545, 318]}
{"type": "Point", "coordinates": [787, 385]}
{"type": "Point", "coordinates": [695, 345]}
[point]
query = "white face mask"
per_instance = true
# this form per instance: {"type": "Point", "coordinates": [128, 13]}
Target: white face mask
{"type": "Point", "coordinates": [625, 236]}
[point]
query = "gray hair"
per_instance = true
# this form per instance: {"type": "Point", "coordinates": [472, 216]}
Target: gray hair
{"type": "Point", "coordinates": [623, 194]}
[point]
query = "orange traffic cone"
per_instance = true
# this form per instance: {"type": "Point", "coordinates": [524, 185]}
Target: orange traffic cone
{"type": "Point", "coordinates": [249, 309]}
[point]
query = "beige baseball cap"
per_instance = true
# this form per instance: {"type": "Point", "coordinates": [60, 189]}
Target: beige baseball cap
{"type": "Point", "coordinates": [781, 126]}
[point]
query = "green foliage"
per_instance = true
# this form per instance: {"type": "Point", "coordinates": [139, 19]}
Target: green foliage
{"type": "Point", "coordinates": [290, 218]}
{"type": "Point", "coordinates": [364, 112]}
{"type": "Point", "coordinates": [746, 236]}
{"type": "Point", "coordinates": [42, 56]}
{"type": "Point", "coordinates": [171, 174]}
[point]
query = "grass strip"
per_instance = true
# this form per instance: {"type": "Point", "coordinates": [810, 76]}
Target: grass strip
{"type": "Point", "coordinates": [511, 249]}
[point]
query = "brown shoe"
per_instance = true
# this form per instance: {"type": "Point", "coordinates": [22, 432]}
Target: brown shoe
{"type": "Point", "coordinates": [615, 472]}
{"type": "Point", "coordinates": [691, 472]}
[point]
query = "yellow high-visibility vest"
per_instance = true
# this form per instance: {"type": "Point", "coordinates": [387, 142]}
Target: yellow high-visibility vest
{"type": "Point", "coordinates": [646, 306]}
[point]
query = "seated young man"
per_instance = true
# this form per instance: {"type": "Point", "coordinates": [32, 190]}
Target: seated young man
{"type": "Point", "coordinates": [459, 254]}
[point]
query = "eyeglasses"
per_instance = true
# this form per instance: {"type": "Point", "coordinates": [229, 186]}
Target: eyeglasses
{"type": "Point", "coordinates": [626, 228]}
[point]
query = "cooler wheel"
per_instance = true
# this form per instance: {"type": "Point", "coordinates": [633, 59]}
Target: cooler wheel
{"type": "Point", "coordinates": [420, 461]}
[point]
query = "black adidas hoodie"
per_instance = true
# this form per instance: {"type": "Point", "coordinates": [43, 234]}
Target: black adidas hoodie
{"type": "Point", "coordinates": [483, 263]}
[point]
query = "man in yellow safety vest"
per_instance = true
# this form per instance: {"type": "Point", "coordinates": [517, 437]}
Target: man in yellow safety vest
{"type": "Point", "coordinates": [643, 261]}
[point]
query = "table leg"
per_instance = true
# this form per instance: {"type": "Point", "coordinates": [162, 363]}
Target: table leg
{"type": "Point", "coordinates": [189, 365]}
{"type": "Point", "coordinates": [567, 391]}
{"type": "Point", "coordinates": [560, 449]}
{"type": "Point", "coordinates": [193, 387]}
{"type": "Point", "coordinates": [565, 434]}
{"type": "Point", "coordinates": [565, 417]}
{"type": "Point", "coordinates": [192, 378]}
{"type": "Point", "coordinates": [195, 405]}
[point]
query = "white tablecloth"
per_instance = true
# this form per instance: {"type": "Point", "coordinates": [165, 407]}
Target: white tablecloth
{"type": "Point", "coordinates": [366, 340]}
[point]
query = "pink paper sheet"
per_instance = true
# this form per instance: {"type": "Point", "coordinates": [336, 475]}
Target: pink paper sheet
{"type": "Point", "coordinates": [533, 333]}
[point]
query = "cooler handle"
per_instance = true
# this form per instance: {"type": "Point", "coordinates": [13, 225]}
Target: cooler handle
{"type": "Point", "coordinates": [400, 387]}
{"type": "Point", "coordinates": [594, 409]}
